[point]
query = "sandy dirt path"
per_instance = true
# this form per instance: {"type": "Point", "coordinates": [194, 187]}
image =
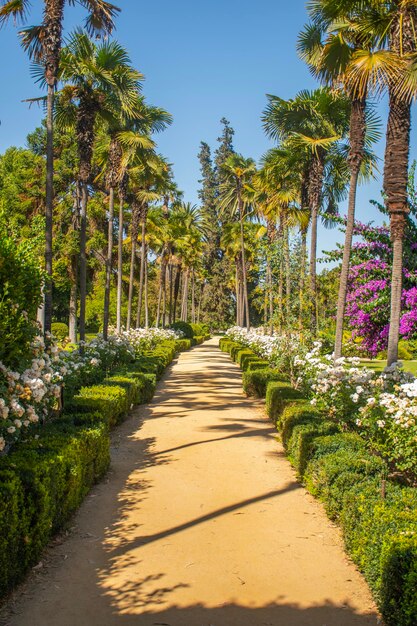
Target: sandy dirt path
{"type": "Point", "coordinates": [199, 523]}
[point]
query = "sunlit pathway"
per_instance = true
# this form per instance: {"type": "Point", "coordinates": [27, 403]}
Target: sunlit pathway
{"type": "Point", "coordinates": [200, 523]}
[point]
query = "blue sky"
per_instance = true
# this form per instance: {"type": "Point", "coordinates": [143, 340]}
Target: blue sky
{"type": "Point", "coordinates": [202, 61]}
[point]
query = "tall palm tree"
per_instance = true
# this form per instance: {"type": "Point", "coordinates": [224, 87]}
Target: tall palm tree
{"type": "Point", "coordinates": [235, 198]}
{"type": "Point", "coordinates": [99, 82]}
{"type": "Point", "coordinates": [43, 43]}
{"type": "Point", "coordinates": [312, 122]}
{"type": "Point", "coordinates": [341, 58]}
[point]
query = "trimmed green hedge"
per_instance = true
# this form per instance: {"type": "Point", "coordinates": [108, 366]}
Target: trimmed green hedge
{"type": "Point", "coordinates": [43, 481]}
{"type": "Point", "coordinates": [380, 534]}
{"type": "Point", "coordinates": [255, 381]}
{"type": "Point", "coordinates": [277, 395]}
{"type": "Point", "coordinates": [182, 344]}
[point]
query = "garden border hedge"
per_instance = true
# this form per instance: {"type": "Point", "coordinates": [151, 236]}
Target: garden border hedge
{"type": "Point", "coordinates": [44, 480]}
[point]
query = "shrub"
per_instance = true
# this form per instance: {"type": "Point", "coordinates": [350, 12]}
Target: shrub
{"type": "Point", "coordinates": [20, 296]}
{"type": "Point", "coordinates": [244, 354]}
{"type": "Point", "coordinates": [182, 344]}
{"type": "Point", "coordinates": [381, 538]}
{"type": "Point", "coordinates": [199, 339]}
{"type": "Point", "coordinates": [255, 381]}
{"type": "Point", "coordinates": [200, 330]}
{"type": "Point", "coordinates": [301, 439]}
{"type": "Point", "coordinates": [277, 395]}
{"type": "Point", "coordinates": [254, 363]}
{"type": "Point", "coordinates": [112, 402]}
{"type": "Point", "coordinates": [184, 328]}
{"type": "Point", "coordinates": [60, 330]}
{"type": "Point", "coordinates": [41, 484]}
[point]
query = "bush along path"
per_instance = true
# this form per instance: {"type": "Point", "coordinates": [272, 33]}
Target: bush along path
{"type": "Point", "coordinates": [378, 516]}
{"type": "Point", "coordinates": [44, 478]}
{"type": "Point", "coordinates": [201, 521]}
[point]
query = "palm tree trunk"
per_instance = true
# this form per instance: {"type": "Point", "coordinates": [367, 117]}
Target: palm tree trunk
{"type": "Point", "coordinates": [160, 291]}
{"type": "Point", "coordinates": [395, 188]}
{"type": "Point", "coordinates": [142, 268]}
{"type": "Point", "coordinates": [237, 295]}
{"type": "Point", "coordinates": [302, 276]}
{"type": "Point", "coordinates": [47, 322]}
{"type": "Point", "coordinates": [357, 142]}
{"type": "Point", "coordinates": [171, 292]}
{"type": "Point", "coordinates": [83, 258]}
{"type": "Point", "coordinates": [314, 192]}
{"type": "Point", "coordinates": [146, 289]}
{"type": "Point", "coordinates": [287, 276]}
{"type": "Point", "coordinates": [134, 239]}
{"type": "Point", "coordinates": [244, 273]}
{"type": "Point", "coordinates": [120, 267]}
{"type": "Point", "coordinates": [72, 320]}
{"type": "Point", "coordinates": [193, 296]}
{"type": "Point", "coordinates": [177, 285]}
{"type": "Point", "coordinates": [200, 303]}
{"type": "Point", "coordinates": [108, 267]}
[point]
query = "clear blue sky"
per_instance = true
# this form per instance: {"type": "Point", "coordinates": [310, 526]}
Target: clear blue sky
{"type": "Point", "coordinates": [202, 61]}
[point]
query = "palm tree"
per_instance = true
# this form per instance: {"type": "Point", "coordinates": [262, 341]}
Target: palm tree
{"type": "Point", "coordinates": [43, 44]}
{"type": "Point", "coordinates": [99, 82]}
{"type": "Point", "coordinates": [340, 57]}
{"type": "Point", "coordinates": [312, 123]}
{"type": "Point", "coordinates": [235, 198]}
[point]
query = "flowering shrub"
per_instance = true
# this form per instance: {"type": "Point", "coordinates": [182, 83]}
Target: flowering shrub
{"type": "Point", "coordinates": [30, 395]}
{"type": "Point", "coordinates": [142, 339]}
{"type": "Point", "coordinates": [382, 408]}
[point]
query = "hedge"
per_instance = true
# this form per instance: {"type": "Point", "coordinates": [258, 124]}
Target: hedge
{"type": "Point", "coordinates": [255, 381]}
{"type": "Point", "coordinates": [278, 393]}
{"type": "Point", "coordinates": [380, 534]}
{"type": "Point", "coordinates": [43, 481]}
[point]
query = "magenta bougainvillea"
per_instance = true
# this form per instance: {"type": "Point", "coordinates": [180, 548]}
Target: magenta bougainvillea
{"type": "Point", "coordinates": [368, 299]}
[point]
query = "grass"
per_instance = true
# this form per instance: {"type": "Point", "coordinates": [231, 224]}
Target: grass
{"type": "Point", "coordinates": [378, 366]}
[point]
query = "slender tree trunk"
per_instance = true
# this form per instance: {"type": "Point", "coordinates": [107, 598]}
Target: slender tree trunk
{"type": "Point", "coordinates": [146, 289]}
{"type": "Point", "coordinates": [271, 302]}
{"type": "Point", "coordinates": [357, 142]}
{"type": "Point", "coordinates": [160, 290]}
{"type": "Point", "coordinates": [193, 296]}
{"type": "Point", "coordinates": [83, 258]}
{"type": "Point", "coordinates": [120, 267]}
{"type": "Point", "coordinates": [237, 295]}
{"type": "Point", "coordinates": [302, 276]}
{"type": "Point", "coordinates": [199, 303]}
{"type": "Point", "coordinates": [134, 239]}
{"type": "Point", "coordinates": [287, 276]}
{"type": "Point", "coordinates": [184, 305]}
{"type": "Point", "coordinates": [108, 267]}
{"type": "Point", "coordinates": [244, 273]}
{"type": "Point", "coordinates": [397, 235]}
{"type": "Point", "coordinates": [142, 268]}
{"type": "Point", "coordinates": [280, 293]}
{"type": "Point", "coordinates": [177, 290]}
{"type": "Point", "coordinates": [395, 187]}
{"type": "Point", "coordinates": [314, 192]}
{"type": "Point", "coordinates": [48, 287]}
{"type": "Point", "coordinates": [72, 321]}
{"type": "Point", "coordinates": [171, 293]}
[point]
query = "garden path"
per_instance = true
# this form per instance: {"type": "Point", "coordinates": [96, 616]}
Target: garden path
{"type": "Point", "coordinates": [200, 522]}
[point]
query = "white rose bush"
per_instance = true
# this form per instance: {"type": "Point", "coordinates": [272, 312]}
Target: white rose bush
{"type": "Point", "coordinates": [382, 407]}
{"type": "Point", "coordinates": [33, 394]}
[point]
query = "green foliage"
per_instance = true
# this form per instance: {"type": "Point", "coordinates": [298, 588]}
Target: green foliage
{"type": "Point", "coordinates": [185, 328]}
{"type": "Point", "coordinates": [60, 330]}
{"type": "Point", "coordinates": [200, 330]}
{"type": "Point", "coordinates": [41, 484]}
{"type": "Point", "coordinates": [255, 381]}
{"type": "Point", "coordinates": [111, 401]}
{"type": "Point", "coordinates": [20, 296]}
{"type": "Point", "coordinates": [277, 395]}
{"type": "Point", "coordinates": [182, 344]}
